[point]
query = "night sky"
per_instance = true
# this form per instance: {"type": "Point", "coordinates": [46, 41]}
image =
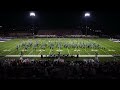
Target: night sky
{"type": "Point", "coordinates": [109, 20]}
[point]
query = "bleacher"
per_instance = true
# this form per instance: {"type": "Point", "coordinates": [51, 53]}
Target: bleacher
{"type": "Point", "coordinates": [58, 69]}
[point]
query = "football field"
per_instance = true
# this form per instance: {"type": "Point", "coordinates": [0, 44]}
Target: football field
{"type": "Point", "coordinates": [64, 46]}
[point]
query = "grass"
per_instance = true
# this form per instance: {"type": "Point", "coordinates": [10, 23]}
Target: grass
{"type": "Point", "coordinates": [9, 47]}
{"type": "Point", "coordinates": [111, 48]}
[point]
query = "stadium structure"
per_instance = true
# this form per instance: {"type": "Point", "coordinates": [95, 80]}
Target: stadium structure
{"type": "Point", "coordinates": [50, 42]}
{"type": "Point", "coordinates": [32, 43]}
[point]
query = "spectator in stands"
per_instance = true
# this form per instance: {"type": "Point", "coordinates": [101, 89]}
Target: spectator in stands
{"type": "Point", "coordinates": [58, 69]}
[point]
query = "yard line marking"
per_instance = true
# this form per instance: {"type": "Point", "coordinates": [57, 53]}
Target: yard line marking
{"type": "Point", "coordinates": [14, 47]}
{"type": "Point", "coordinates": [47, 55]}
{"type": "Point", "coordinates": [102, 45]}
{"type": "Point", "coordinates": [6, 50]}
{"type": "Point", "coordinates": [10, 48]}
{"type": "Point", "coordinates": [78, 44]}
{"type": "Point", "coordinates": [104, 51]}
{"type": "Point", "coordinates": [2, 41]}
{"type": "Point", "coordinates": [40, 53]}
{"type": "Point", "coordinates": [86, 51]}
{"type": "Point", "coordinates": [101, 49]}
{"type": "Point", "coordinates": [24, 50]}
{"type": "Point", "coordinates": [18, 50]}
{"type": "Point", "coordinates": [110, 46]}
{"type": "Point", "coordinates": [49, 51]}
{"type": "Point", "coordinates": [94, 50]}
{"type": "Point", "coordinates": [30, 52]}
{"type": "Point", "coordinates": [77, 50]}
{"type": "Point", "coordinates": [68, 51]}
{"type": "Point", "coordinates": [59, 50]}
{"type": "Point", "coordinates": [40, 50]}
{"type": "Point", "coordinates": [116, 41]}
{"type": "Point", "coordinates": [111, 50]}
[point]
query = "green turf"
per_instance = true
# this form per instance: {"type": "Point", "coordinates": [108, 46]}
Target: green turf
{"type": "Point", "coordinates": [9, 47]}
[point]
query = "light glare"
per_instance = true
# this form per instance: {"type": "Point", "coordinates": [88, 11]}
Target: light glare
{"type": "Point", "coordinates": [87, 14]}
{"type": "Point", "coordinates": [32, 14]}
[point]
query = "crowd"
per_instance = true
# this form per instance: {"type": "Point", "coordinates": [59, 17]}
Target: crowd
{"type": "Point", "coordinates": [59, 69]}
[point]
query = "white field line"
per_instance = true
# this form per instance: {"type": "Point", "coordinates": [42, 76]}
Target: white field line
{"type": "Point", "coordinates": [102, 50]}
{"type": "Point", "coordinates": [10, 48]}
{"type": "Point", "coordinates": [30, 52]}
{"type": "Point", "coordinates": [116, 41]}
{"type": "Point", "coordinates": [94, 50]}
{"type": "Point", "coordinates": [6, 48]}
{"type": "Point", "coordinates": [105, 51]}
{"type": "Point", "coordinates": [40, 53]}
{"type": "Point", "coordinates": [47, 55]}
{"type": "Point", "coordinates": [108, 49]}
{"type": "Point", "coordinates": [49, 51]}
{"type": "Point", "coordinates": [77, 50]}
{"type": "Point", "coordinates": [2, 41]}
{"type": "Point", "coordinates": [94, 56]}
{"type": "Point", "coordinates": [86, 51]}
{"type": "Point", "coordinates": [105, 45]}
{"type": "Point", "coordinates": [59, 50]}
{"type": "Point", "coordinates": [111, 47]}
{"type": "Point", "coordinates": [13, 47]}
{"type": "Point", "coordinates": [18, 50]}
{"type": "Point", "coordinates": [78, 44]}
{"type": "Point", "coordinates": [117, 47]}
{"type": "Point", "coordinates": [68, 51]}
{"type": "Point", "coordinates": [111, 50]}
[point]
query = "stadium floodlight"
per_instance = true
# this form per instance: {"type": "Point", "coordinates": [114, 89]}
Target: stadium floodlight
{"type": "Point", "coordinates": [32, 14]}
{"type": "Point", "coordinates": [87, 14]}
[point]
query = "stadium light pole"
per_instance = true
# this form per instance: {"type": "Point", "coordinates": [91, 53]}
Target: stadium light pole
{"type": "Point", "coordinates": [32, 15]}
{"type": "Point", "coordinates": [86, 15]}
